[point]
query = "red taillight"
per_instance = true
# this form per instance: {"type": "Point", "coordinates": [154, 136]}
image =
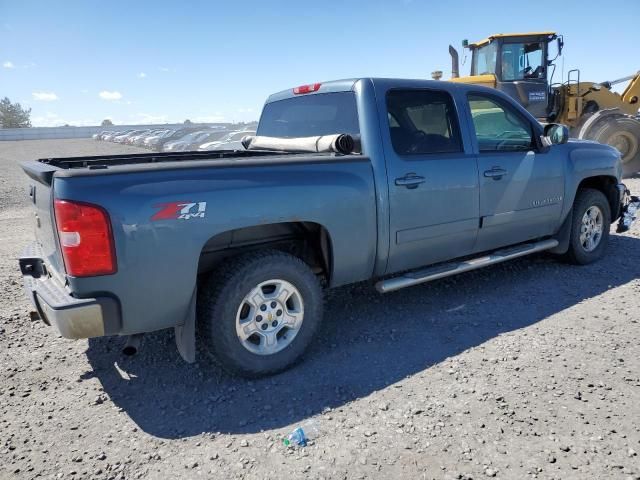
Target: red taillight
{"type": "Point", "coordinates": [314, 87]}
{"type": "Point", "coordinates": [85, 237]}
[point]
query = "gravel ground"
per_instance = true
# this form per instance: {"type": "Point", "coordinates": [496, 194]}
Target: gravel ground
{"type": "Point", "coordinates": [528, 369]}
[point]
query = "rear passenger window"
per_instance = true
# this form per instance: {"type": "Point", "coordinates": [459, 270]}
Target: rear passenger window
{"type": "Point", "coordinates": [424, 122]}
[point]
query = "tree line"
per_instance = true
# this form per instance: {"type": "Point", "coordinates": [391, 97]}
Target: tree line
{"type": "Point", "coordinates": [13, 115]}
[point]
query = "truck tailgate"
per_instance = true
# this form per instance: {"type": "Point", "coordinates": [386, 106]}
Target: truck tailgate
{"type": "Point", "coordinates": [40, 193]}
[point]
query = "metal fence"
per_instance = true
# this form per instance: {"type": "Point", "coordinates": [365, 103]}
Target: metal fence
{"type": "Point", "coordinates": [41, 133]}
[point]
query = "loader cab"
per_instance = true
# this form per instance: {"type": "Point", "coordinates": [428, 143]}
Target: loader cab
{"type": "Point", "coordinates": [518, 65]}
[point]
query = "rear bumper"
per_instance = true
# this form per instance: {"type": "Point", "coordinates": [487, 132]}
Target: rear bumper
{"type": "Point", "coordinates": [73, 317]}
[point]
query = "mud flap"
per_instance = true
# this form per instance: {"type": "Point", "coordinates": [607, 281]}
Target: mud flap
{"type": "Point", "coordinates": [563, 236]}
{"type": "Point", "coordinates": [186, 333]}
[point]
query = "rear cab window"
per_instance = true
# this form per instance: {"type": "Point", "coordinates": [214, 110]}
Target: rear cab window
{"type": "Point", "coordinates": [310, 116]}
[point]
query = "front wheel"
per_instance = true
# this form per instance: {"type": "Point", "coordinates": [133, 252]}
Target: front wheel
{"type": "Point", "coordinates": [590, 226]}
{"type": "Point", "coordinates": [259, 312]}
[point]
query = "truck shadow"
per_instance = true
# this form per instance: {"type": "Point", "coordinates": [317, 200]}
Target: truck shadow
{"type": "Point", "coordinates": [366, 343]}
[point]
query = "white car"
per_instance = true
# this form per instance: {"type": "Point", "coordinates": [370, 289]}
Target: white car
{"type": "Point", "coordinates": [212, 136]}
{"type": "Point", "coordinates": [98, 136]}
{"type": "Point", "coordinates": [123, 138]}
{"type": "Point", "coordinates": [154, 140]}
{"type": "Point", "coordinates": [181, 144]}
{"type": "Point", "coordinates": [231, 142]}
{"type": "Point", "coordinates": [109, 136]}
{"type": "Point", "coordinates": [119, 137]}
{"type": "Point", "coordinates": [132, 138]}
{"type": "Point", "coordinates": [139, 139]}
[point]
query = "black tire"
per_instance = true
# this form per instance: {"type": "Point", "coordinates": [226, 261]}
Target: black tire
{"type": "Point", "coordinates": [585, 199]}
{"type": "Point", "coordinates": [221, 296]}
{"type": "Point", "coordinates": [623, 133]}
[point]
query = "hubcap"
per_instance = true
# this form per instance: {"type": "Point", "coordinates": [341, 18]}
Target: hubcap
{"type": "Point", "coordinates": [269, 317]}
{"type": "Point", "coordinates": [591, 228]}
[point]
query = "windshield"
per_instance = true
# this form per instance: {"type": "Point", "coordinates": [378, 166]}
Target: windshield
{"type": "Point", "coordinates": [522, 60]}
{"type": "Point", "coordinates": [484, 59]}
{"type": "Point", "coordinates": [310, 115]}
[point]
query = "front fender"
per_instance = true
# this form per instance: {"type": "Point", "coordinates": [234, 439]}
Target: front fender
{"type": "Point", "coordinates": [587, 160]}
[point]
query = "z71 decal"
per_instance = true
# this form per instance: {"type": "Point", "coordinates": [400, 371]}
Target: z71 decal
{"type": "Point", "coordinates": [180, 210]}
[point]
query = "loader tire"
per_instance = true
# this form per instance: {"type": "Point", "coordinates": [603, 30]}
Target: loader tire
{"type": "Point", "coordinates": [622, 133]}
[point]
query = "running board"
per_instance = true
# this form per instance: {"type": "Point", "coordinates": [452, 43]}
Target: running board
{"type": "Point", "coordinates": [448, 269]}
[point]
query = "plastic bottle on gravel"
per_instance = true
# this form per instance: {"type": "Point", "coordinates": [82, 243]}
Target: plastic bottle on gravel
{"type": "Point", "coordinates": [309, 430]}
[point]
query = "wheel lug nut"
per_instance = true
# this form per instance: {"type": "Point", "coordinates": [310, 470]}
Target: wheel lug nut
{"type": "Point", "coordinates": [273, 304]}
{"type": "Point", "coordinates": [259, 318]}
{"type": "Point", "coordinates": [274, 323]}
{"type": "Point", "coordinates": [264, 326]}
{"type": "Point", "coordinates": [279, 312]}
{"type": "Point", "coordinates": [263, 307]}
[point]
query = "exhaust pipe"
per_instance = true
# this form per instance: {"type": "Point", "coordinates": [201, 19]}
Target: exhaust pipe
{"type": "Point", "coordinates": [455, 68]}
{"type": "Point", "coordinates": [132, 344]}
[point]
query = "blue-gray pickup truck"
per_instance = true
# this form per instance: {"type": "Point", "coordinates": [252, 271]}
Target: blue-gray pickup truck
{"type": "Point", "coordinates": [401, 181]}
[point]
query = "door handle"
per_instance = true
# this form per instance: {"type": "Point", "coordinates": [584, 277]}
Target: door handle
{"type": "Point", "coordinates": [410, 180]}
{"type": "Point", "coordinates": [496, 173]}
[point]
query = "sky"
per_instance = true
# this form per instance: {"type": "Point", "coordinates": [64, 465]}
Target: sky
{"type": "Point", "coordinates": [79, 62]}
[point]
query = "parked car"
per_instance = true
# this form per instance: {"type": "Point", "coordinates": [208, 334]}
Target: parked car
{"type": "Point", "coordinates": [229, 142]}
{"type": "Point", "coordinates": [105, 133]}
{"type": "Point", "coordinates": [153, 140]}
{"type": "Point", "coordinates": [98, 136]}
{"type": "Point", "coordinates": [116, 138]}
{"type": "Point", "coordinates": [140, 139]}
{"type": "Point", "coordinates": [131, 138]}
{"type": "Point", "coordinates": [178, 145]}
{"type": "Point", "coordinates": [123, 138]}
{"type": "Point", "coordinates": [177, 134]}
{"type": "Point", "coordinates": [109, 136]}
{"type": "Point", "coordinates": [209, 137]}
{"type": "Point", "coordinates": [245, 240]}
{"type": "Point", "coordinates": [121, 134]}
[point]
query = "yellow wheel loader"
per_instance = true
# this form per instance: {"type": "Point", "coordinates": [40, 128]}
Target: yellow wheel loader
{"type": "Point", "coordinates": [521, 66]}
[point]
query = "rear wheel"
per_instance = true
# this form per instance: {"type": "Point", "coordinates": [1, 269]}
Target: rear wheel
{"type": "Point", "coordinates": [590, 227]}
{"type": "Point", "coordinates": [622, 133]}
{"type": "Point", "coordinates": [258, 313]}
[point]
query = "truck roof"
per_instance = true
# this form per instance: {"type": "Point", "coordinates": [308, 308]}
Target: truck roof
{"type": "Point", "coordinates": [348, 84]}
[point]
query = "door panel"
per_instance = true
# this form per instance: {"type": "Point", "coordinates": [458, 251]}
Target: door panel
{"type": "Point", "coordinates": [521, 190]}
{"type": "Point", "coordinates": [522, 205]}
{"type": "Point", "coordinates": [433, 191]}
{"type": "Point", "coordinates": [439, 219]}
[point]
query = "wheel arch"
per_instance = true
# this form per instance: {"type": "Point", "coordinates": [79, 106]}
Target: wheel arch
{"type": "Point", "coordinates": [309, 241]}
{"type": "Point", "coordinates": [608, 186]}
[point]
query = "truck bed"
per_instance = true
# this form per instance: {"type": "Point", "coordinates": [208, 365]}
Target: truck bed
{"type": "Point", "coordinates": [101, 161]}
{"type": "Point", "coordinates": [159, 258]}
{"type": "Point", "coordinates": [43, 169]}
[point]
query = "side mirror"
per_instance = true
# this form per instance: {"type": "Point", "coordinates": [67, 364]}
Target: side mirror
{"type": "Point", "coordinates": [555, 134]}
